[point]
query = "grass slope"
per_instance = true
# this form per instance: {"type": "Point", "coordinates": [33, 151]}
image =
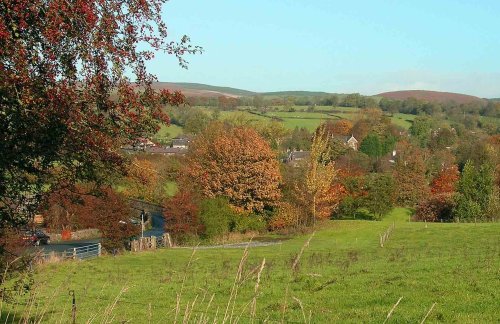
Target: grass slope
{"type": "Point", "coordinates": [342, 276]}
{"type": "Point", "coordinates": [201, 86]}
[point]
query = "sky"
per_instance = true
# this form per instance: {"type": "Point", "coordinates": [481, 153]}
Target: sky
{"type": "Point", "coordinates": [338, 46]}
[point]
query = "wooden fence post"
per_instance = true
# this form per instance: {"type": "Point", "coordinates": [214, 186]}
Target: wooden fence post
{"type": "Point", "coordinates": [99, 248]}
{"type": "Point", "coordinates": [168, 240]}
{"type": "Point", "coordinates": [74, 253]}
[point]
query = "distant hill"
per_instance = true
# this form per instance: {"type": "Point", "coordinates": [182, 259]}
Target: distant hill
{"type": "Point", "coordinates": [205, 90]}
{"type": "Point", "coordinates": [202, 90]}
{"type": "Point", "coordinates": [434, 96]}
{"type": "Point", "coordinates": [296, 93]}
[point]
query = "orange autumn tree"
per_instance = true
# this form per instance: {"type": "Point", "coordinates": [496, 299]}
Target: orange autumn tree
{"type": "Point", "coordinates": [446, 180]}
{"type": "Point", "coordinates": [339, 127]}
{"type": "Point", "coordinates": [142, 181]}
{"type": "Point", "coordinates": [439, 205]}
{"type": "Point", "coordinates": [237, 163]}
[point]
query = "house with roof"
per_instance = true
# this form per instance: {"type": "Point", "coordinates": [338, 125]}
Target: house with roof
{"type": "Point", "coordinates": [181, 142]}
{"type": "Point", "coordinates": [167, 151]}
{"type": "Point", "coordinates": [349, 141]}
{"type": "Point", "coordinates": [296, 157]}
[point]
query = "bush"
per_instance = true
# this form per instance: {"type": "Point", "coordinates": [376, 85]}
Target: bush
{"type": "Point", "coordinates": [244, 223]}
{"type": "Point", "coordinates": [181, 213]}
{"type": "Point", "coordinates": [287, 216]}
{"type": "Point", "coordinates": [347, 208]}
{"type": "Point", "coordinates": [216, 216]}
{"type": "Point", "coordinates": [436, 208]}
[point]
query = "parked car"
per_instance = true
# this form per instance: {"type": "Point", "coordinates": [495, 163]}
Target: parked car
{"type": "Point", "coordinates": [36, 237]}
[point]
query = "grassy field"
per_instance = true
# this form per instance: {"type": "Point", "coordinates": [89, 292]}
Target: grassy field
{"type": "Point", "coordinates": [298, 118]}
{"type": "Point", "coordinates": [342, 276]}
{"type": "Point", "coordinates": [403, 120]}
{"type": "Point", "coordinates": [166, 133]}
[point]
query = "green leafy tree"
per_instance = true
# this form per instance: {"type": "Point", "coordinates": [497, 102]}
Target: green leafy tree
{"type": "Point", "coordinates": [274, 132]}
{"type": "Point", "coordinates": [372, 146]}
{"type": "Point", "coordinates": [380, 197]}
{"type": "Point", "coordinates": [216, 215]}
{"type": "Point", "coordinates": [475, 189]}
{"type": "Point", "coordinates": [299, 139]}
{"type": "Point", "coordinates": [421, 130]}
{"type": "Point", "coordinates": [196, 121]}
{"type": "Point", "coordinates": [258, 102]}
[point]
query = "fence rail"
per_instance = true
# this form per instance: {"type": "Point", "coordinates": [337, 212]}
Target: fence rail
{"type": "Point", "coordinates": [78, 253]}
{"type": "Point", "coordinates": [95, 250]}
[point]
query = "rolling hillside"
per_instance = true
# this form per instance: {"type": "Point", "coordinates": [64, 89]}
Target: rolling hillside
{"type": "Point", "coordinates": [203, 90]}
{"type": "Point", "coordinates": [430, 96]}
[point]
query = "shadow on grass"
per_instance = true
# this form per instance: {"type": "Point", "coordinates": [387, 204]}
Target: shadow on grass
{"type": "Point", "coordinates": [7, 317]}
{"type": "Point", "coordinates": [359, 214]}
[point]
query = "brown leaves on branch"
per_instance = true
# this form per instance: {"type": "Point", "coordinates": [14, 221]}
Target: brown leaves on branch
{"type": "Point", "coordinates": [446, 180]}
{"type": "Point", "coordinates": [409, 175]}
{"type": "Point", "coordinates": [339, 127]}
{"type": "Point", "coordinates": [234, 162]}
{"type": "Point", "coordinates": [82, 208]}
{"type": "Point", "coordinates": [181, 213]}
{"type": "Point", "coordinates": [143, 181]}
{"type": "Point", "coordinates": [65, 99]}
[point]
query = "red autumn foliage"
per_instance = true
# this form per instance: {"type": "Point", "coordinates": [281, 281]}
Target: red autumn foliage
{"type": "Point", "coordinates": [105, 210]}
{"type": "Point", "coordinates": [181, 213]}
{"type": "Point", "coordinates": [435, 208]}
{"type": "Point", "coordinates": [446, 180]}
{"type": "Point", "coordinates": [66, 104]}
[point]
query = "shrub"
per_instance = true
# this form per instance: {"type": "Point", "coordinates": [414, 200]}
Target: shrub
{"type": "Point", "coordinates": [216, 216]}
{"type": "Point", "coordinates": [347, 208]}
{"type": "Point", "coordinates": [244, 223]}
{"type": "Point", "coordinates": [101, 208]}
{"type": "Point", "coordinates": [436, 208]}
{"type": "Point", "coordinates": [287, 216]}
{"type": "Point", "coordinates": [181, 213]}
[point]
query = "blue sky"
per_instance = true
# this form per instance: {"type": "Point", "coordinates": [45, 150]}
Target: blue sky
{"type": "Point", "coordinates": [338, 46]}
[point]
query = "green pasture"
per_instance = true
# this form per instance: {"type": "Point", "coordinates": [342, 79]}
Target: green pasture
{"type": "Point", "coordinates": [342, 275]}
{"type": "Point", "coordinates": [403, 120]}
{"type": "Point", "coordinates": [298, 118]}
{"type": "Point", "coordinates": [168, 132]}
